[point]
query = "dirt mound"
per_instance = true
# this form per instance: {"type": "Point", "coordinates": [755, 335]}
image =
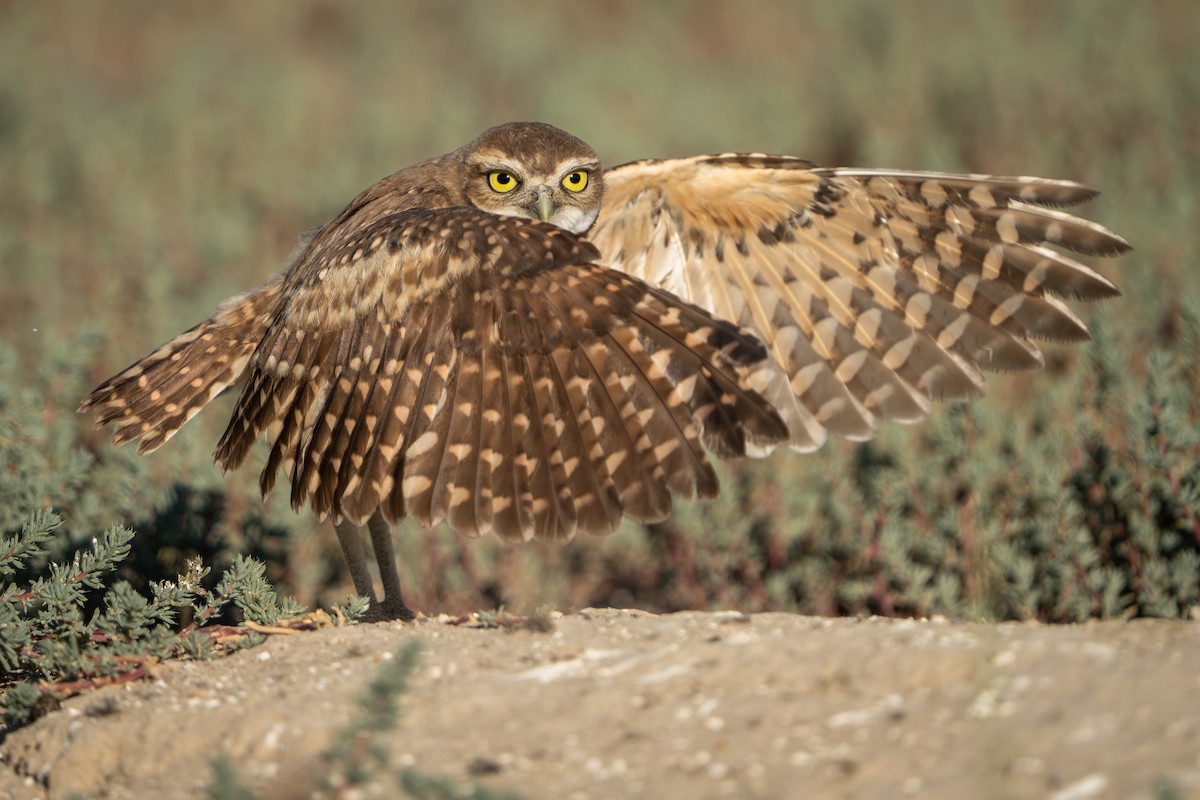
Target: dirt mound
{"type": "Point", "coordinates": [624, 704]}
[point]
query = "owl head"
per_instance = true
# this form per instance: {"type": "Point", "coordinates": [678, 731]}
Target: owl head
{"type": "Point", "coordinates": [536, 171]}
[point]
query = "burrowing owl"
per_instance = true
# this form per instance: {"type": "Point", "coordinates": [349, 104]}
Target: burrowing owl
{"type": "Point", "coordinates": [505, 338]}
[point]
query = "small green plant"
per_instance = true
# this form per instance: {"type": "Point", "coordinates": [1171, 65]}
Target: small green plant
{"type": "Point", "coordinates": [225, 783]}
{"type": "Point", "coordinates": [70, 631]}
{"type": "Point", "coordinates": [491, 618]}
{"type": "Point", "coordinates": [358, 756]}
{"type": "Point", "coordinates": [428, 787]}
{"type": "Point", "coordinates": [540, 621]}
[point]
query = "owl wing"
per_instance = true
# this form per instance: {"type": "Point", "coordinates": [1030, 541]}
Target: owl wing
{"type": "Point", "coordinates": [451, 364]}
{"type": "Point", "coordinates": [875, 291]}
{"type": "Point", "coordinates": [154, 397]}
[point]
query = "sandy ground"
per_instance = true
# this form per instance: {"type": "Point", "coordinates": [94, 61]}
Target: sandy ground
{"type": "Point", "coordinates": [629, 704]}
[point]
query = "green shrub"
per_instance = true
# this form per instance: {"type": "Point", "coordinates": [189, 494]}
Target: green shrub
{"type": "Point", "coordinates": [76, 627]}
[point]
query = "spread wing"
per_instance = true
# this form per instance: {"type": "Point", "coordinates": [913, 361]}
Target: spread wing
{"type": "Point", "coordinates": [154, 397]}
{"type": "Point", "coordinates": [456, 365]}
{"type": "Point", "coordinates": [875, 291]}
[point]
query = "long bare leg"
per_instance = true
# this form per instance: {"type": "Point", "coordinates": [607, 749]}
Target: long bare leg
{"type": "Point", "coordinates": [350, 537]}
{"type": "Point", "coordinates": [393, 606]}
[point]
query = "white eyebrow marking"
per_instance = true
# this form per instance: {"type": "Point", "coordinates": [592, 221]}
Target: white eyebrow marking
{"type": "Point", "coordinates": [570, 165]}
{"type": "Point", "coordinates": [502, 164]}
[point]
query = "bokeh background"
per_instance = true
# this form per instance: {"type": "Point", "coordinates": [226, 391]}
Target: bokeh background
{"type": "Point", "coordinates": [156, 158]}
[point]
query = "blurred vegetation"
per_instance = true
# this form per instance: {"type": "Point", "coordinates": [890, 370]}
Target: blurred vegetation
{"type": "Point", "coordinates": [157, 158]}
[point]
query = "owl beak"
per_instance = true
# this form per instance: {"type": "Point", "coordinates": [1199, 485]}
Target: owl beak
{"type": "Point", "coordinates": [544, 205]}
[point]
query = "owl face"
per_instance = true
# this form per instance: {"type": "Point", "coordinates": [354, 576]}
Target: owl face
{"type": "Point", "coordinates": [536, 171]}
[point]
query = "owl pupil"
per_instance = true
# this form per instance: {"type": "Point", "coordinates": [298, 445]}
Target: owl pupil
{"type": "Point", "coordinates": [503, 179]}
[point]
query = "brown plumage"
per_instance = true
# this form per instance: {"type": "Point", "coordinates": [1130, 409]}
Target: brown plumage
{"type": "Point", "coordinates": [450, 347]}
{"type": "Point", "coordinates": [152, 399]}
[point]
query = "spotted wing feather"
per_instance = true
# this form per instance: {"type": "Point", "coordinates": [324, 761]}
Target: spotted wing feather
{"type": "Point", "coordinates": [153, 398]}
{"type": "Point", "coordinates": [876, 292]}
{"type": "Point", "coordinates": [454, 365]}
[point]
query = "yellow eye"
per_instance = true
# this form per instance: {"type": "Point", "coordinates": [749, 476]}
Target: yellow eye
{"type": "Point", "coordinates": [576, 181]}
{"type": "Point", "coordinates": [501, 181]}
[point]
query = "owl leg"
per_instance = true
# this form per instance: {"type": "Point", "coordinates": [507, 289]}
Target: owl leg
{"type": "Point", "coordinates": [393, 606]}
{"type": "Point", "coordinates": [356, 559]}
{"type": "Point", "coordinates": [350, 537]}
